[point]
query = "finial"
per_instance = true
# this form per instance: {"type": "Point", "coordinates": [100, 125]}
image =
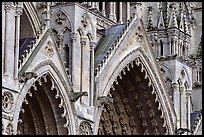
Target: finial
{"type": "Point", "coordinates": [149, 21]}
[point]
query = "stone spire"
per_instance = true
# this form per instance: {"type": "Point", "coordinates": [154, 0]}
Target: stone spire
{"type": "Point", "coordinates": [186, 30]}
{"type": "Point", "coordinates": [161, 24]}
{"type": "Point", "coordinates": [173, 20]}
{"type": "Point", "coordinates": [181, 24]}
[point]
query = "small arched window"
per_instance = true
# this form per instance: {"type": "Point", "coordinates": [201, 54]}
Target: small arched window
{"type": "Point", "coordinates": [161, 47]}
{"type": "Point", "coordinates": [200, 75]}
{"type": "Point", "coordinates": [183, 50]}
{"type": "Point", "coordinates": [171, 52]}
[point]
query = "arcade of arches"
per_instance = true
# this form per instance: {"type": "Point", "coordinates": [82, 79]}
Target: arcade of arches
{"type": "Point", "coordinates": [133, 111]}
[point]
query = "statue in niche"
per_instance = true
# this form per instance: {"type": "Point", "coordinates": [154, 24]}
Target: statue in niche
{"type": "Point", "coordinates": [116, 128]}
{"type": "Point", "coordinates": [139, 106]}
{"type": "Point", "coordinates": [151, 113]}
{"type": "Point", "coordinates": [60, 40]}
{"type": "Point", "coordinates": [107, 128]}
{"type": "Point", "coordinates": [132, 122]}
{"type": "Point", "coordinates": [100, 130]}
{"type": "Point", "coordinates": [125, 130]}
{"type": "Point", "coordinates": [118, 106]}
{"type": "Point", "coordinates": [154, 123]}
{"type": "Point", "coordinates": [128, 110]}
{"type": "Point", "coordinates": [105, 117]}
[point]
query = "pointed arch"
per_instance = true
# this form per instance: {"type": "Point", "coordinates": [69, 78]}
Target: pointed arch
{"type": "Point", "coordinates": [80, 31]}
{"type": "Point", "coordinates": [70, 25]}
{"type": "Point", "coordinates": [32, 16]}
{"type": "Point", "coordinates": [186, 76]}
{"type": "Point", "coordinates": [86, 17]}
{"type": "Point", "coordinates": [61, 89]}
{"type": "Point", "coordinates": [161, 96]}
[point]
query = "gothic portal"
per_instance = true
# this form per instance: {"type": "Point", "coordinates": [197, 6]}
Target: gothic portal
{"type": "Point", "coordinates": [106, 68]}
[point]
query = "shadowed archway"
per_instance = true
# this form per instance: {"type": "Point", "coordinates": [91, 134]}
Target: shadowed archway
{"type": "Point", "coordinates": [134, 110]}
{"type": "Point", "coordinates": [41, 113]}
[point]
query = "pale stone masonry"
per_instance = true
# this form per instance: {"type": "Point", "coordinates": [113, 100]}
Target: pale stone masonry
{"type": "Point", "coordinates": [106, 68]}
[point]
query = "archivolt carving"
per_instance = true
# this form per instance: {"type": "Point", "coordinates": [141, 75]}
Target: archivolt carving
{"type": "Point", "coordinates": [85, 128]}
{"type": "Point", "coordinates": [7, 101]}
{"type": "Point", "coordinates": [49, 62]}
{"type": "Point", "coordinates": [9, 129]}
{"type": "Point", "coordinates": [58, 95]}
{"type": "Point", "coordinates": [139, 62]}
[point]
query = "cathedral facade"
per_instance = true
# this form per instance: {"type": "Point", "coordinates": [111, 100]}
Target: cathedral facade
{"type": "Point", "coordinates": [101, 68]}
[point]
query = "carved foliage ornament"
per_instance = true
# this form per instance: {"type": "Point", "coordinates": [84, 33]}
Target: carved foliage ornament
{"type": "Point", "coordinates": [7, 101]}
{"type": "Point", "coordinates": [9, 129]}
{"type": "Point", "coordinates": [49, 49]}
{"type": "Point", "coordinates": [60, 18]}
{"type": "Point", "coordinates": [139, 35]}
{"type": "Point", "coordinates": [84, 20]}
{"type": "Point", "coordinates": [85, 128]}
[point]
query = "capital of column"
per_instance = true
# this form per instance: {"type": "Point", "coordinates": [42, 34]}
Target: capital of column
{"type": "Point", "coordinates": [181, 89]}
{"type": "Point", "coordinates": [83, 41]}
{"type": "Point", "coordinates": [73, 37]}
{"type": "Point", "coordinates": [188, 92]}
{"type": "Point", "coordinates": [92, 44]}
{"type": "Point", "coordinates": [19, 10]}
{"type": "Point", "coordinates": [174, 86]}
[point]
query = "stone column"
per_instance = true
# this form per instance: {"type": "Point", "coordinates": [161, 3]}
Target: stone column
{"type": "Point", "coordinates": [111, 16]}
{"type": "Point", "coordinates": [92, 46]}
{"type": "Point", "coordinates": [7, 8]}
{"type": "Point", "coordinates": [17, 37]}
{"type": "Point", "coordinates": [114, 14]}
{"type": "Point", "coordinates": [103, 9]}
{"type": "Point", "coordinates": [128, 10]}
{"type": "Point", "coordinates": [92, 5]}
{"type": "Point", "coordinates": [183, 106]}
{"type": "Point", "coordinates": [188, 95]}
{"type": "Point", "coordinates": [73, 39]}
{"type": "Point", "coordinates": [138, 9]}
{"type": "Point", "coordinates": [83, 44]}
{"type": "Point", "coordinates": [176, 102]}
{"type": "Point", "coordinates": [89, 4]}
{"type": "Point", "coordinates": [97, 5]}
{"type": "Point", "coordinates": [3, 37]}
{"type": "Point", "coordinates": [120, 13]}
